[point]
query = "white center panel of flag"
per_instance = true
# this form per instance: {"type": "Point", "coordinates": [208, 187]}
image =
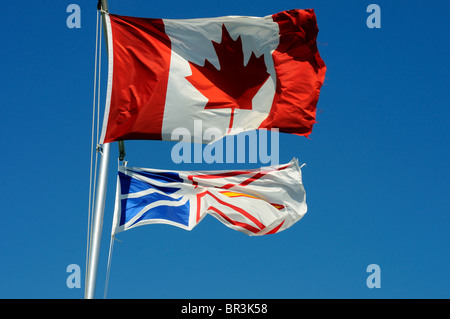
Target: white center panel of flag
{"type": "Point", "coordinates": [193, 42]}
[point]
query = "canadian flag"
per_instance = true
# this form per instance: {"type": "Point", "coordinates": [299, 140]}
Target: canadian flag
{"type": "Point", "coordinates": [232, 73]}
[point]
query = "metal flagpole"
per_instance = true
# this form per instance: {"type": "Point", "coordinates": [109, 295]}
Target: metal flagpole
{"type": "Point", "coordinates": [97, 224]}
{"type": "Point", "coordinates": [99, 208]}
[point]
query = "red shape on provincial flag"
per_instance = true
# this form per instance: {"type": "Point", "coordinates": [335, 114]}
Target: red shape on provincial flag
{"type": "Point", "coordinates": [231, 72]}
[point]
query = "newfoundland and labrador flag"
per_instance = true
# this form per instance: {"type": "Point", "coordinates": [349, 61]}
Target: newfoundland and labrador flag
{"type": "Point", "coordinates": [232, 73]}
{"type": "Point", "coordinates": [256, 202]}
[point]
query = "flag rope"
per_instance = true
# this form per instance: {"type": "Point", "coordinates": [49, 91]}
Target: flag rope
{"type": "Point", "coordinates": [108, 268]}
{"type": "Point", "coordinates": [111, 246]}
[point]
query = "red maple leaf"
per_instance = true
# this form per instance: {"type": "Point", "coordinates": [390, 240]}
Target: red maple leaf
{"type": "Point", "coordinates": [233, 85]}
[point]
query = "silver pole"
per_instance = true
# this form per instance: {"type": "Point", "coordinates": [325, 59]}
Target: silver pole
{"type": "Point", "coordinates": [97, 223]}
{"type": "Point", "coordinates": [99, 209]}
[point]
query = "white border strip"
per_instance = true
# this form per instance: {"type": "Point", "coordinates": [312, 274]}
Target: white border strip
{"type": "Point", "coordinates": [109, 47]}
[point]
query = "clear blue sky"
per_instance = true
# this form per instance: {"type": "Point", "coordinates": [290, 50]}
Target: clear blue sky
{"type": "Point", "coordinates": [377, 176]}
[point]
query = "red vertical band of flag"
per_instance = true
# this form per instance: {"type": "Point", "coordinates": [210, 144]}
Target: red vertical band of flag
{"type": "Point", "coordinates": [300, 73]}
{"type": "Point", "coordinates": [141, 69]}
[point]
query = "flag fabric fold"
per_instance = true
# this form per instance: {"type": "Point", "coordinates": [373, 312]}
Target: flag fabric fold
{"type": "Point", "coordinates": [233, 73]}
{"type": "Point", "coordinates": [256, 201]}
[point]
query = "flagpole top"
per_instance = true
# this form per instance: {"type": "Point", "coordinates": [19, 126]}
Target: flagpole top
{"type": "Point", "coordinates": [102, 5]}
